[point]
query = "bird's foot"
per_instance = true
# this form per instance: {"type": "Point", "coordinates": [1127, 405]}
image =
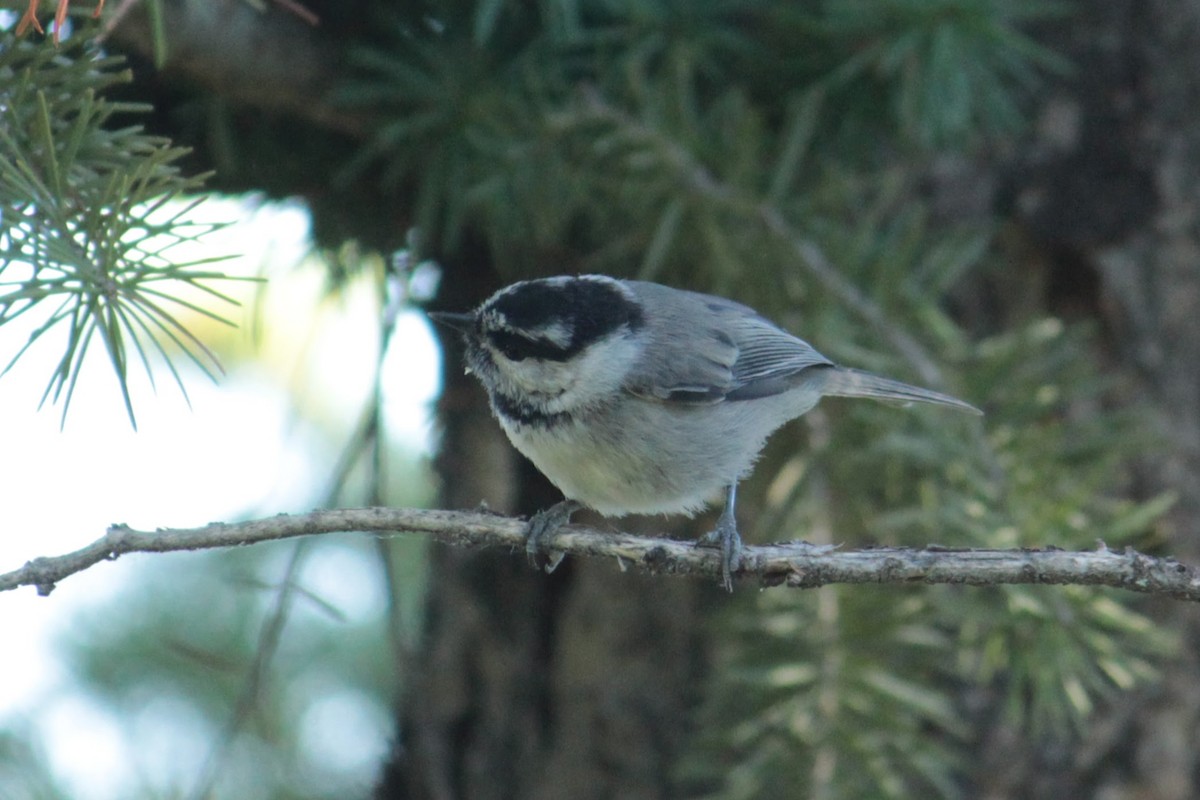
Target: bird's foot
{"type": "Point", "coordinates": [544, 523]}
{"type": "Point", "coordinates": [725, 536]}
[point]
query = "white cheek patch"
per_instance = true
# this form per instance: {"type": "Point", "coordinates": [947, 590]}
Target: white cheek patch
{"type": "Point", "coordinates": [593, 376]}
{"type": "Point", "coordinates": [542, 378]}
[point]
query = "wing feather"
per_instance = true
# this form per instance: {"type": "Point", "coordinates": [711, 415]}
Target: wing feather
{"type": "Point", "coordinates": [730, 352]}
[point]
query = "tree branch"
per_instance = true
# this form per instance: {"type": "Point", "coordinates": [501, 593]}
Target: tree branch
{"type": "Point", "coordinates": [794, 564]}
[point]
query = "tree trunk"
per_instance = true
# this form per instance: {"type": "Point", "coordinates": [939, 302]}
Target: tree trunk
{"type": "Point", "coordinates": [1107, 194]}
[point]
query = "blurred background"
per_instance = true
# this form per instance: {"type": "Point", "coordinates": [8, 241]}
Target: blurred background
{"type": "Point", "coordinates": [220, 223]}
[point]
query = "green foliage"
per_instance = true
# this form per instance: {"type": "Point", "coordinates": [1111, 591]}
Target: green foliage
{"type": "Point", "coordinates": [92, 227]}
{"type": "Point", "coordinates": [945, 69]}
{"type": "Point", "coordinates": [772, 152]}
{"type": "Point", "coordinates": [24, 771]}
{"type": "Point", "coordinates": [840, 695]}
{"type": "Point", "coordinates": [746, 148]}
{"type": "Point", "coordinates": [602, 122]}
{"type": "Point", "coordinates": [1055, 480]}
{"type": "Point", "coordinates": [879, 687]}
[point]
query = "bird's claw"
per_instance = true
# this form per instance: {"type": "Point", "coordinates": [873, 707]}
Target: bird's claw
{"type": "Point", "coordinates": [543, 524]}
{"type": "Point", "coordinates": [725, 536]}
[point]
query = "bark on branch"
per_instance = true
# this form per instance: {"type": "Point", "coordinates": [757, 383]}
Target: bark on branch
{"type": "Point", "coordinates": [793, 564]}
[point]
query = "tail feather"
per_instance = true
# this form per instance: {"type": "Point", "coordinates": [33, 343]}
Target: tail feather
{"type": "Point", "coordinates": [843, 382]}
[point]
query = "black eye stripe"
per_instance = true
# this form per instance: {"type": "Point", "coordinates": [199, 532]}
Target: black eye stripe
{"type": "Point", "coordinates": [518, 348]}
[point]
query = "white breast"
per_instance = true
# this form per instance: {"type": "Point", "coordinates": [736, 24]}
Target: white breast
{"type": "Point", "coordinates": [645, 457]}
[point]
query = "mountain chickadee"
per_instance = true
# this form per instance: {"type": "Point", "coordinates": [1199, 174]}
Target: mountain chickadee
{"type": "Point", "coordinates": [636, 398]}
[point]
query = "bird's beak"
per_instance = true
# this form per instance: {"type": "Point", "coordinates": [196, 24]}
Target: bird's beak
{"type": "Point", "coordinates": [460, 322]}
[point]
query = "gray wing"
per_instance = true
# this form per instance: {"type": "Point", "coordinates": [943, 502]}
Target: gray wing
{"type": "Point", "coordinates": [704, 349]}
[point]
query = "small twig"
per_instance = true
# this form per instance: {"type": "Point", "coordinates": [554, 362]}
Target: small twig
{"type": "Point", "coordinates": [115, 17]}
{"type": "Point", "coordinates": [365, 437]}
{"type": "Point", "coordinates": [299, 10]}
{"type": "Point", "coordinates": [793, 564]}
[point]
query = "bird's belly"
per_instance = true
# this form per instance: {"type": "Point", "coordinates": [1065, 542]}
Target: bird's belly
{"type": "Point", "coordinates": [657, 459]}
{"type": "Point", "coordinates": [612, 481]}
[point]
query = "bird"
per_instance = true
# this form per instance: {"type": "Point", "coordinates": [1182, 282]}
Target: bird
{"type": "Point", "coordinates": [633, 397]}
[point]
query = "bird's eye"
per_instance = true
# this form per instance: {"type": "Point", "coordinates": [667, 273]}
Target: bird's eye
{"type": "Point", "coordinates": [519, 346]}
{"type": "Point", "coordinates": [514, 347]}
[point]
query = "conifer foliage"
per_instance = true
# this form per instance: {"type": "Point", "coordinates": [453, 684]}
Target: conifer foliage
{"type": "Point", "coordinates": [775, 152]}
{"type": "Point", "coordinates": [89, 236]}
